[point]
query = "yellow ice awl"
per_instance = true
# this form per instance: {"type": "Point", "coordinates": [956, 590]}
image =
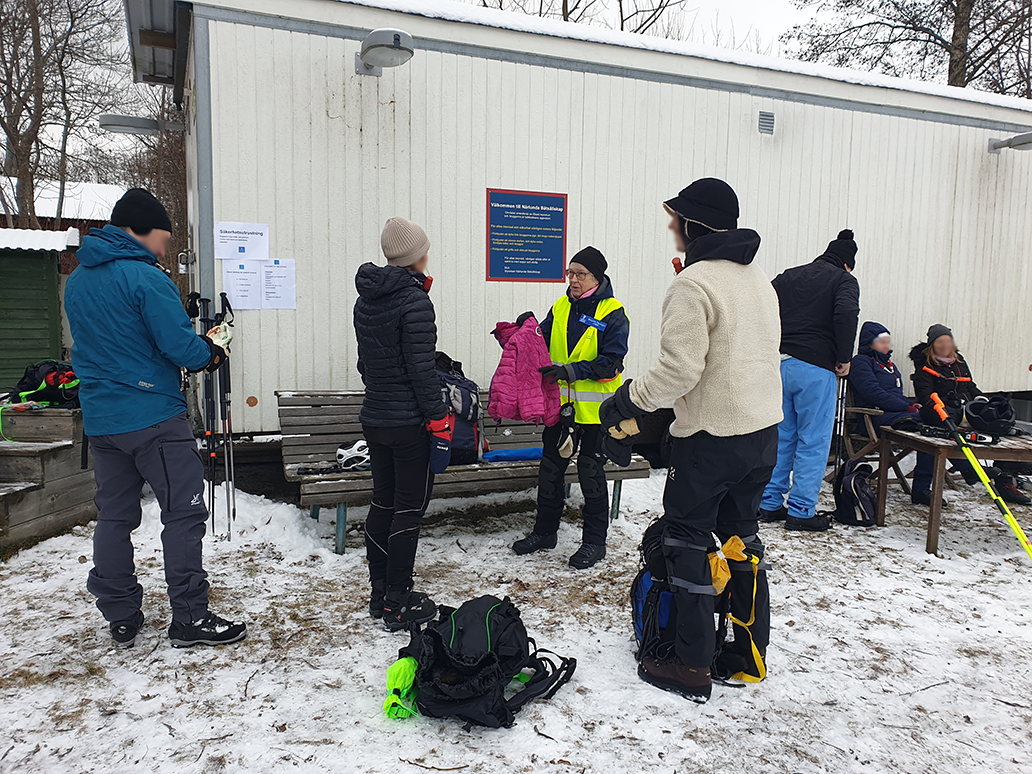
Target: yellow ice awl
{"type": "Point", "coordinates": [940, 409]}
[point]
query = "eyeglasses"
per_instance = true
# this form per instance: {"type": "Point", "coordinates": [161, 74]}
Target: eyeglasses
{"type": "Point", "coordinates": [581, 275]}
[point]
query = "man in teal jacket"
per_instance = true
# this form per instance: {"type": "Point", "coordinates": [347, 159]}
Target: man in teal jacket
{"type": "Point", "coordinates": [131, 338]}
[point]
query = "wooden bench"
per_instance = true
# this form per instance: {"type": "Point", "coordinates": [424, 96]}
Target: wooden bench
{"type": "Point", "coordinates": [315, 423]}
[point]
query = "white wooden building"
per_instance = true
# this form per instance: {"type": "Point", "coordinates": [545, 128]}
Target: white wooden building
{"type": "Point", "coordinates": [283, 131]}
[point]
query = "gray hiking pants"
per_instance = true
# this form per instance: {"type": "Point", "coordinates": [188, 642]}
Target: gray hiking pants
{"type": "Point", "coordinates": [165, 456]}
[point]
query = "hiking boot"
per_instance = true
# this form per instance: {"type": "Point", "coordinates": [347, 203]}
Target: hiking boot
{"type": "Point", "coordinates": [1009, 492]}
{"type": "Point", "coordinates": [816, 523]}
{"type": "Point", "coordinates": [971, 478]}
{"type": "Point", "coordinates": [588, 555]}
{"type": "Point", "coordinates": [124, 632]}
{"type": "Point", "coordinates": [535, 542]}
{"type": "Point", "coordinates": [694, 684]}
{"type": "Point", "coordinates": [376, 596]}
{"type": "Point", "coordinates": [413, 607]}
{"type": "Point", "coordinates": [768, 516]}
{"type": "Point", "coordinates": [925, 498]}
{"type": "Point", "coordinates": [210, 630]}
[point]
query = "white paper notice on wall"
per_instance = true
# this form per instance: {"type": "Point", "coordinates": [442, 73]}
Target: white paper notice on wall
{"type": "Point", "coordinates": [279, 284]}
{"type": "Point", "coordinates": [242, 283]}
{"type": "Point", "coordinates": [236, 241]}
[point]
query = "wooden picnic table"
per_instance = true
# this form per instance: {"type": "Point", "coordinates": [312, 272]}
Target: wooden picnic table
{"type": "Point", "coordinates": [1010, 449]}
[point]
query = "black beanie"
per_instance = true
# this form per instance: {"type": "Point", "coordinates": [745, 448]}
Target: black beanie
{"type": "Point", "coordinates": [140, 211]}
{"type": "Point", "coordinates": [844, 249]}
{"type": "Point", "coordinates": [592, 260]}
{"type": "Point", "coordinates": [709, 202]}
{"type": "Point", "coordinates": [936, 331]}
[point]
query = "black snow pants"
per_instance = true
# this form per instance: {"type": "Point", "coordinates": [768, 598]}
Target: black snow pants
{"type": "Point", "coordinates": [592, 477]}
{"type": "Point", "coordinates": [714, 486]}
{"type": "Point", "coordinates": [402, 483]}
{"type": "Point", "coordinates": [166, 457]}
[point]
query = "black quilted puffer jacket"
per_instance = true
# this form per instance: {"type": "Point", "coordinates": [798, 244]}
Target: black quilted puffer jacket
{"type": "Point", "coordinates": [397, 341]}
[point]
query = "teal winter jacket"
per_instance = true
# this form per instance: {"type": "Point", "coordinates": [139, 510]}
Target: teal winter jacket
{"type": "Point", "coordinates": [130, 335]}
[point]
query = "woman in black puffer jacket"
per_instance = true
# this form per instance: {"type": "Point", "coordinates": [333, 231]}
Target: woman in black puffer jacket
{"type": "Point", "coordinates": [940, 368]}
{"type": "Point", "coordinates": [397, 342]}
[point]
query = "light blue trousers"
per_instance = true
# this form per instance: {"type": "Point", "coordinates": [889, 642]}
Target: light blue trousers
{"type": "Point", "coordinates": [804, 437]}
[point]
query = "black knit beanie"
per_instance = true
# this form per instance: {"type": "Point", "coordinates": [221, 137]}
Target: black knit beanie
{"type": "Point", "coordinates": [140, 211]}
{"type": "Point", "coordinates": [844, 249]}
{"type": "Point", "coordinates": [592, 260]}
{"type": "Point", "coordinates": [709, 202]}
{"type": "Point", "coordinates": [937, 331]}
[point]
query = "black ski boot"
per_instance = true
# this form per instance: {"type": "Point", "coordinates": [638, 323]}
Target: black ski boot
{"type": "Point", "coordinates": [587, 556]}
{"type": "Point", "coordinates": [210, 630]}
{"type": "Point", "coordinates": [535, 542]}
{"type": "Point", "coordinates": [1010, 493]}
{"type": "Point", "coordinates": [405, 608]}
{"type": "Point", "coordinates": [816, 523]}
{"type": "Point", "coordinates": [124, 632]}
{"type": "Point", "coordinates": [769, 516]}
{"type": "Point", "coordinates": [672, 675]}
{"type": "Point", "coordinates": [376, 596]}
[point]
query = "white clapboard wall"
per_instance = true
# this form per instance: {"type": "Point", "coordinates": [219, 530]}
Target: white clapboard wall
{"type": "Point", "coordinates": [299, 141]}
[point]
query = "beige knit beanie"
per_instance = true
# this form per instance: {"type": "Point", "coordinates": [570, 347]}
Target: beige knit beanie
{"type": "Point", "coordinates": [403, 242]}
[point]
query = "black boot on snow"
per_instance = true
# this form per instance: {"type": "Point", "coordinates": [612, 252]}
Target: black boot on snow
{"type": "Point", "coordinates": [587, 556]}
{"type": "Point", "coordinates": [925, 498]}
{"type": "Point", "coordinates": [535, 542]}
{"type": "Point", "coordinates": [403, 609]}
{"type": "Point", "coordinates": [1010, 493]}
{"type": "Point", "coordinates": [816, 523]}
{"type": "Point", "coordinates": [124, 632]}
{"type": "Point", "coordinates": [671, 675]}
{"type": "Point", "coordinates": [210, 630]}
{"type": "Point", "coordinates": [768, 516]}
{"type": "Point", "coordinates": [376, 596]}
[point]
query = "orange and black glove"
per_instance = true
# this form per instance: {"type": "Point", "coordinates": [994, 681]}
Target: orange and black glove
{"type": "Point", "coordinates": [441, 432]}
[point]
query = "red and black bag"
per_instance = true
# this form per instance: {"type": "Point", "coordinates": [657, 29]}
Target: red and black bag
{"type": "Point", "coordinates": [49, 382]}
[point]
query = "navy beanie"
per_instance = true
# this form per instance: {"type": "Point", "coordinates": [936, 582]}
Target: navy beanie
{"type": "Point", "coordinates": [592, 260]}
{"type": "Point", "coordinates": [141, 212]}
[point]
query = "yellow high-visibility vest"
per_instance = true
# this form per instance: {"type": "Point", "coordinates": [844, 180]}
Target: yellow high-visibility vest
{"type": "Point", "coordinates": [585, 394]}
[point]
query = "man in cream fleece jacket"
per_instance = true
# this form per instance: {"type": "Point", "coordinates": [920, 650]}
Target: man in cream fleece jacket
{"type": "Point", "coordinates": [718, 367]}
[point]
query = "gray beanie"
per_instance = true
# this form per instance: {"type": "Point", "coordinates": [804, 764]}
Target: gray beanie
{"type": "Point", "coordinates": [403, 242]}
{"type": "Point", "coordinates": [938, 330]}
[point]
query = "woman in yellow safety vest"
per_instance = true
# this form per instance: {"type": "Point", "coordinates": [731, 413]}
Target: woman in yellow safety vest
{"type": "Point", "coordinates": [587, 331]}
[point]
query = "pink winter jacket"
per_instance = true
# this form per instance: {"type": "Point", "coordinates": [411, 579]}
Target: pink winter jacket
{"type": "Point", "coordinates": [518, 390]}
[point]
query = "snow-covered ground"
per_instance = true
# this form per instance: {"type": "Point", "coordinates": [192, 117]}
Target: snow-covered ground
{"type": "Point", "coordinates": [883, 659]}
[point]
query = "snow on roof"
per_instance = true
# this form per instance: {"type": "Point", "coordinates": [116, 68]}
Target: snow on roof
{"type": "Point", "coordinates": [34, 239]}
{"type": "Point", "coordinates": [82, 201]}
{"type": "Point", "coordinates": [490, 17]}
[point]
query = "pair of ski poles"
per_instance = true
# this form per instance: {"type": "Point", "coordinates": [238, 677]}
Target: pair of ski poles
{"type": "Point", "coordinates": [218, 390]}
{"type": "Point", "coordinates": [940, 409]}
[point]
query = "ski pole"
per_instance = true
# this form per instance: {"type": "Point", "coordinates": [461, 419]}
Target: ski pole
{"type": "Point", "coordinates": [209, 414]}
{"type": "Point", "coordinates": [225, 385]}
{"type": "Point", "coordinates": [940, 409]}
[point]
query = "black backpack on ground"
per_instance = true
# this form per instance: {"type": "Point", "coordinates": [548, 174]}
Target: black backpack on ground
{"type": "Point", "coordinates": [52, 383]}
{"type": "Point", "coordinates": [469, 656]}
{"type": "Point", "coordinates": [855, 503]}
{"type": "Point", "coordinates": [462, 395]}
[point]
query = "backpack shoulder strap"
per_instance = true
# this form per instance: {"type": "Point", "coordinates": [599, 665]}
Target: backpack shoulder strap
{"type": "Point", "coordinates": [548, 678]}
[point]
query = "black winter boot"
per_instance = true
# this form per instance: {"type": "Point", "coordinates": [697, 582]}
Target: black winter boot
{"type": "Point", "coordinates": [971, 478]}
{"type": "Point", "coordinates": [124, 632]}
{"type": "Point", "coordinates": [671, 675]}
{"type": "Point", "coordinates": [1010, 493]}
{"type": "Point", "coordinates": [402, 609]}
{"type": "Point", "coordinates": [587, 556]}
{"type": "Point", "coordinates": [769, 516]}
{"type": "Point", "coordinates": [535, 542]}
{"type": "Point", "coordinates": [210, 630]}
{"type": "Point", "coordinates": [816, 523]}
{"type": "Point", "coordinates": [376, 596]}
{"type": "Point", "coordinates": [925, 498]}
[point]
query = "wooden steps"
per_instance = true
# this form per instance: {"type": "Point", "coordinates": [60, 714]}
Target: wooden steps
{"type": "Point", "coordinates": [43, 490]}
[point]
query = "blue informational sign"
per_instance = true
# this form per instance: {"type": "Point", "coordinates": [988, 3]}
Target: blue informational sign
{"type": "Point", "coordinates": [526, 236]}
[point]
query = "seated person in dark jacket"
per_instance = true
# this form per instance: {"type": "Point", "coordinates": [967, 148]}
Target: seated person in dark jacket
{"type": "Point", "coordinates": [877, 383]}
{"type": "Point", "coordinates": [940, 368]}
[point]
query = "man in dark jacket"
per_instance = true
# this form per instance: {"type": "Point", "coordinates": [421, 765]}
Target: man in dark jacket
{"type": "Point", "coordinates": [820, 305]}
{"type": "Point", "coordinates": [586, 331]}
{"type": "Point", "coordinates": [404, 418]}
{"type": "Point", "coordinates": [132, 336]}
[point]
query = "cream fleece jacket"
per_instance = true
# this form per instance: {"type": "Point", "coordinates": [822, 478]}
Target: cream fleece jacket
{"type": "Point", "coordinates": [719, 365]}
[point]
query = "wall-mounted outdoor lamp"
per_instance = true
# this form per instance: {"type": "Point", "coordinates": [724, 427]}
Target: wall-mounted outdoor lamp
{"type": "Point", "coordinates": [383, 48]}
{"type": "Point", "coordinates": [133, 125]}
{"type": "Point", "coordinates": [1021, 142]}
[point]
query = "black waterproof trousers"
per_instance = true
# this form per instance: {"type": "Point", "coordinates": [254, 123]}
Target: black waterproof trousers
{"type": "Point", "coordinates": [402, 483]}
{"type": "Point", "coordinates": [714, 486]}
{"type": "Point", "coordinates": [166, 457]}
{"type": "Point", "coordinates": [592, 477]}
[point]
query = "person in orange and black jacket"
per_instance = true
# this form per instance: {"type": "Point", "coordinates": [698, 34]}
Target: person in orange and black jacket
{"type": "Point", "coordinates": [940, 368]}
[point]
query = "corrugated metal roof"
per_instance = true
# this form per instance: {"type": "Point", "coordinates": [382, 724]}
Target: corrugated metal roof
{"type": "Point", "coordinates": [150, 64]}
{"type": "Point", "coordinates": [33, 239]}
